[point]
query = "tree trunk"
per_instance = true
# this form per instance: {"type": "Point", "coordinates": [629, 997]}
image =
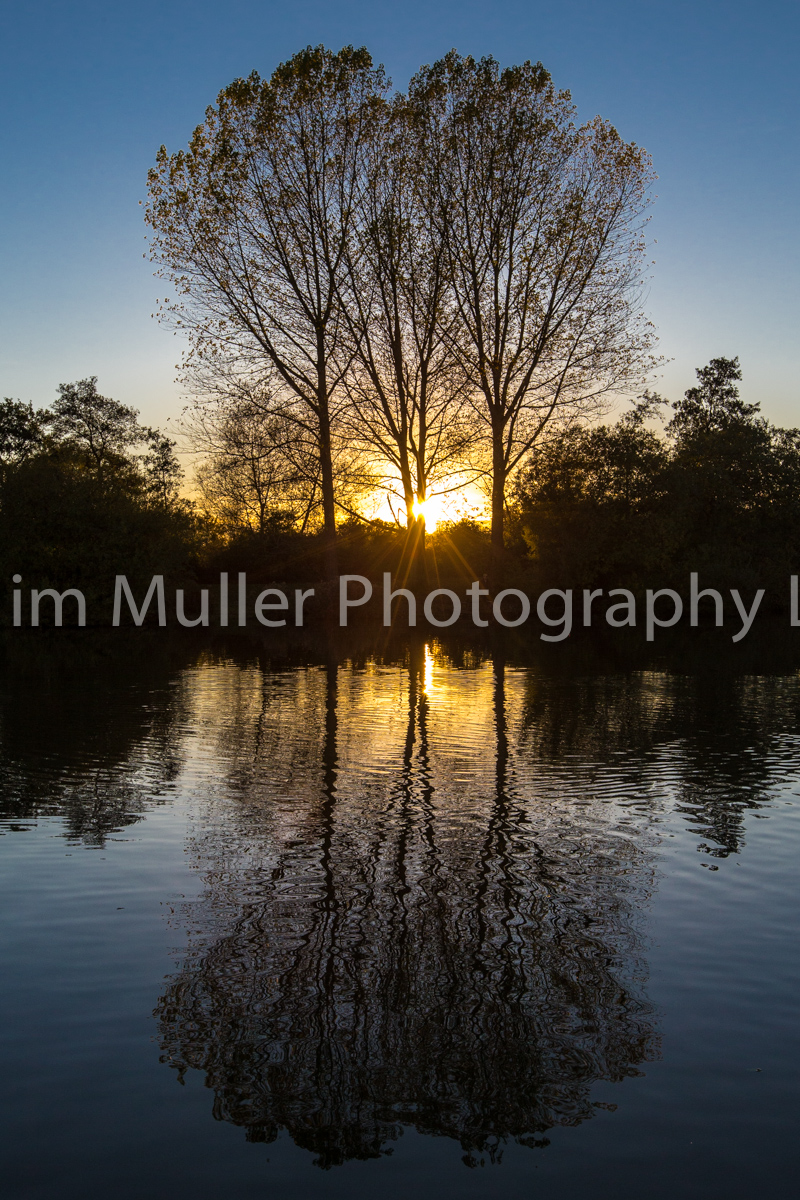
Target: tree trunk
{"type": "Point", "coordinates": [326, 466]}
{"type": "Point", "coordinates": [498, 508]}
{"type": "Point", "coordinates": [412, 559]}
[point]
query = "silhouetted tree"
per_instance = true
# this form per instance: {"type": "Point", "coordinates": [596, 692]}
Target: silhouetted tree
{"type": "Point", "coordinates": [20, 431]}
{"type": "Point", "coordinates": [409, 402]}
{"type": "Point", "coordinates": [102, 428]}
{"type": "Point", "coordinates": [714, 404]}
{"type": "Point", "coordinates": [79, 504]}
{"type": "Point", "coordinates": [590, 502]}
{"type": "Point", "coordinates": [251, 223]}
{"type": "Point", "coordinates": [162, 470]}
{"type": "Point", "coordinates": [543, 223]}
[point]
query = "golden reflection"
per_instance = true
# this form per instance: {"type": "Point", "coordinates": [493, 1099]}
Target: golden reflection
{"type": "Point", "coordinates": [402, 926]}
{"type": "Point", "coordinates": [427, 678]}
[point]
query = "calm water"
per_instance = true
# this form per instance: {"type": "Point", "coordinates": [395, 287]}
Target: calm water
{"type": "Point", "coordinates": [432, 921]}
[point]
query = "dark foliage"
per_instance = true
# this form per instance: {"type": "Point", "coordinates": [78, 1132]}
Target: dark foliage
{"type": "Point", "coordinates": [78, 505]}
{"type": "Point", "coordinates": [624, 506]}
{"type": "Point", "coordinates": [610, 506]}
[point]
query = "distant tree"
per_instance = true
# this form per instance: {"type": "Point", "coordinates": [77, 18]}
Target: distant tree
{"type": "Point", "coordinates": [728, 468]}
{"type": "Point", "coordinates": [714, 404]}
{"type": "Point", "coordinates": [543, 223]}
{"type": "Point", "coordinates": [251, 224]}
{"type": "Point", "coordinates": [103, 429]}
{"type": "Point", "coordinates": [20, 431]}
{"type": "Point", "coordinates": [259, 462]}
{"type": "Point", "coordinates": [255, 464]}
{"type": "Point", "coordinates": [162, 470]}
{"type": "Point", "coordinates": [86, 492]}
{"type": "Point", "coordinates": [720, 495]}
{"type": "Point", "coordinates": [590, 501]}
{"type": "Point", "coordinates": [600, 464]}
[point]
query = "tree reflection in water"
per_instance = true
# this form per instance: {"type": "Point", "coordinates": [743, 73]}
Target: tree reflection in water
{"type": "Point", "coordinates": [712, 745]}
{"type": "Point", "coordinates": [91, 730]}
{"type": "Point", "coordinates": [407, 920]}
{"type": "Point", "coordinates": [422, 881]}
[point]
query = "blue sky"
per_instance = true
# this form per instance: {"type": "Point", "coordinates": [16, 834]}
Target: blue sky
{"type": "Point", "coordinates": [91, 90]}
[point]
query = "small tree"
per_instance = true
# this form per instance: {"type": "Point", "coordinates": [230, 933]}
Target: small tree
{"type": "Point", "coordinates": [163, 473]}
{"type": "Point", "coordinates": [257, 463]}
{"type": "Point", "coordinates": [259, 460]}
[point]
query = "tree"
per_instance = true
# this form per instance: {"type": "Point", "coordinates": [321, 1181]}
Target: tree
{"type": "Point", "coordinates": [543, 225]}
{"type": "Point", "coordinates": [714, 404]}
{"type": "Point", "coordinates": [258, 464]}
{"type": "Point", "coordinates": [728, 462]}
{"type": "Point", "coordinates": [626, 505]}
{"type": "Point", "coordinates": [78, 504]}
{"type": "Point", "coordinates": [162, 470]}
{"type": "Point", "coordinates": [405, 384]}
{"type": "Point", "coordinates": [102, 428]}
{"type": "Point", "coordinates": [251, 224]}
{"type": "Point", "coordinates": [591, 501]}
{"type": "Point", "coordinates": [20, 431]}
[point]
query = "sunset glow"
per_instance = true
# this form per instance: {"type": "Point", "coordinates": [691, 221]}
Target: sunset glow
{"type": "Point", "coordinates": [431, 510]}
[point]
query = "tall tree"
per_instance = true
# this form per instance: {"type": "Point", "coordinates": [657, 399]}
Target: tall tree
{"type": "Point", "coordinates": [252, 221]}
{"type": "Point", "coordinates": [405, 384]}
{"type": "Point", "coordinates": [543, 224]}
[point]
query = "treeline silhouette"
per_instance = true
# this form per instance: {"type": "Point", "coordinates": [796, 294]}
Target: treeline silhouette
{"type": "Point", "coordinates": [623, 505]}
{"type": "Point", "coordinates": [86, 493]}
{"type": "Point", "coordinates": [388, 298]}
{"type": "Point", "coordinates": [636, 504]}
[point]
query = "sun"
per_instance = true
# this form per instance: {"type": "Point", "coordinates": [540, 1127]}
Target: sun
{"type": "Point", "coordinates": [431, 510]}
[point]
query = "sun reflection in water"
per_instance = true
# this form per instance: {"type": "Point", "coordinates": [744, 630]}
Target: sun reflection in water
{"type": "Point", "coordinates": [427, 682]}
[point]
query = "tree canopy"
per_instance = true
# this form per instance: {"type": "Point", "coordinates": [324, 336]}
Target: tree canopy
{"type": "Point", "coordinates": [86, 492]}
{"type": "Point", "coordinates": [716, 492]}
{"type": "Point", "coordinates": [436, 278]}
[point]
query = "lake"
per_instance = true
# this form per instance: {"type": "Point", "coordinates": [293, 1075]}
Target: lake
{"type": "Point", "coordinates": [420, 918]}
